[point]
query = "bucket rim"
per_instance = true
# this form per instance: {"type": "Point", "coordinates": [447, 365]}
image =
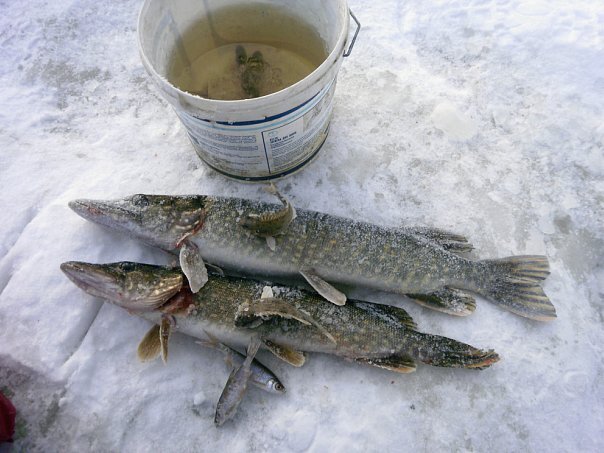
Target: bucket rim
{"type": "Point", "coordinates": [310, 80]}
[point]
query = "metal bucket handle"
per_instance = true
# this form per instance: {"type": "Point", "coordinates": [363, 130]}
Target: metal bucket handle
{"type": "Point", "coordinates": [356, 33]}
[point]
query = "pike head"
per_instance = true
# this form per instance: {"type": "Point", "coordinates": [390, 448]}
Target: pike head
{"type": "Point", "coordinates": [134, 286]}
{"type": "Point", "coordinates": [159, 220]}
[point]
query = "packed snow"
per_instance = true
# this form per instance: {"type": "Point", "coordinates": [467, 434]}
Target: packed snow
{"type": "Point", "coordinates": [481, 117]}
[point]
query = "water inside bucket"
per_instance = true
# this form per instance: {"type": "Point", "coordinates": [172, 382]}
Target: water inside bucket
{"type": "Point", "coordinates": [252, 51]}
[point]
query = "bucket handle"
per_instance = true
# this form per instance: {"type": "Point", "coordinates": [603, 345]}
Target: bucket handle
{"type": "Point", "coordinates": [348, 51]}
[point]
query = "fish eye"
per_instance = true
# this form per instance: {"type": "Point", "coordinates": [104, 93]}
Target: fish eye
{"type": "Point", "coordinates": [279, 387]}
{"type": "Point", "coordinates": [140, 200]}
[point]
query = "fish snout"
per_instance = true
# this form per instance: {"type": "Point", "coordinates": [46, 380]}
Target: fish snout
{"type": "Point", "coordinates": [106, 213]}
{"type": "Point", "coordinates": [92, 278]}
{"type": "Point", "coordinates": [77, 271]}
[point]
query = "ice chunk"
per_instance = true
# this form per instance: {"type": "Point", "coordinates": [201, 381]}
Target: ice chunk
{"type": "Point", "coordinates": [199, 398]}
{"type": "Point", "coordinates": [452, 122]}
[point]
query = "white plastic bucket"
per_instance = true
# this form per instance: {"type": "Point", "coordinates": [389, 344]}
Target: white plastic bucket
{"type": "Point", "coordinates": [252, 139]}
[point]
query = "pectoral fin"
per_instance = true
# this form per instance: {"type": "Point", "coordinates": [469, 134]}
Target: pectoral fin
{"type": "Point", "coordinates": [149, 347]}
{"type": "Point", "coordinates": [193, 266]}
{"type": "Point", "coordinates": [323, 288]}
{"type": "Point", "coordinates": [452, 301]}
{"type": "Point", "coordinates": [399, 364]}
{"type": "Point", "coordinates": [165, 330]}
{"type": "Point", "coordinates": [285, 353]}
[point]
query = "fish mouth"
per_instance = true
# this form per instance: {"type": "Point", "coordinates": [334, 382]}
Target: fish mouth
{"type": "Point", "coordinates": [109, 213]}
{"type": "Point", "coordinates": [129, 285]}
{"type": "Point", "coordinates": [92, 279]}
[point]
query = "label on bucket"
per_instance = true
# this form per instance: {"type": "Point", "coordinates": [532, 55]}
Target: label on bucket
{"type": "Point", "coordinates": [265, 148]}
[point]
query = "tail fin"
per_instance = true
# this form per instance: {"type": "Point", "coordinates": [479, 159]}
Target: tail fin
{"type": "Point", "coordinates": [446, 352]}
{"type": "Point", "coordinates": [515, 284]}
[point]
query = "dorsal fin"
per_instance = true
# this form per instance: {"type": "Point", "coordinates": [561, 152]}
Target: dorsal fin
{"type": "Point", "coordinates": [393, 314]}
{"type": "Point", "coordinates": [454, 243]}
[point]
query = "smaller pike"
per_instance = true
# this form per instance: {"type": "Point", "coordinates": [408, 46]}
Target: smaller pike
{"type": "Point", "coordinates": [252, 314]}
{"type": "Point", "coordinates": [272, 223]}
{"type": "Point", "coordinates": [252, 69]}
{"type": "Point", "coordinates": [240, 55]}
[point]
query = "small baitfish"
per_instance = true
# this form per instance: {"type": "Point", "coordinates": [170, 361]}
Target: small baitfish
{"type": "Point", "coordinates": [261, 376]}
{"type": "Point", "coordinates": [252, 69]}
{"type": "Point", "coordinates": [270, 224]}
{"type": "Point", "coordinates": [324, 250]}
{"type": "Point", "coordinates": [373, 334]}
{"type": "Point", "coordinates": [236, 385]}
{"type": "Point", "coordinates": [240, 55]}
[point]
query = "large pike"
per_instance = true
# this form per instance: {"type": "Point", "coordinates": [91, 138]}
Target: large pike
{"type": "Point", "coordinates": [374, 334]}
{"type": "Point", "coordinates": [325, 250]}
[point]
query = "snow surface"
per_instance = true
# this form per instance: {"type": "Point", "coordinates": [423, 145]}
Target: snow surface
{"type": "Point", "coordinates": [482, 117]}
